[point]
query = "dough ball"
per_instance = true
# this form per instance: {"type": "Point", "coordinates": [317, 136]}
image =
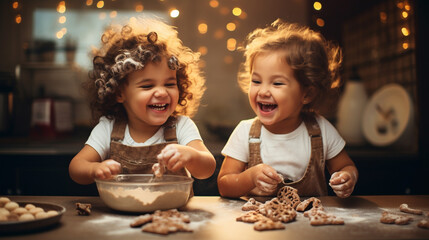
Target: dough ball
{"type": "Point", "coordinates": [52, 213]}
{"type": "Point", "coordinates": [11, 206]}
{"type": "Point", "coordinates": [35, 210]}
{"type": "Point", "coordinates": [29, 206]}
{"type": "Point", "coordinates": [41, 215]}
{"type": "Point", "coordinates": [4, 211]}
{"type": "Point", "coordinates": [3, 201]}
{"type": "Point", "coordinates": [20, 211]}
{"type": "Point", "coordinates": [26, 217]}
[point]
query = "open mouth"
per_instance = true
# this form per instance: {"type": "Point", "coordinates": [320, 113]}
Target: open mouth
{"type": "Point", "coordinates": [267, 107]}
{"type": "Point", "coordinates": [159, 107]}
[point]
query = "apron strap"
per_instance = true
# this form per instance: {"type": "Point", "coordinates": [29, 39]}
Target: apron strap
{"type": "Point", "coordinates": [315, 134]}
{"type": "Point", "coordinates": [118, 132]}
{"type": "Point", "coordinates": [255, 143]}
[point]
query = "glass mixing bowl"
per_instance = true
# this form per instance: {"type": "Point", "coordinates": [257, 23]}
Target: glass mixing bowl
{"type": "Point", "coordinates": [144, 192]}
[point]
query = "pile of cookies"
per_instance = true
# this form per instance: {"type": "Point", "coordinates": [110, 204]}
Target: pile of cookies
{"type": "Point", "coordinates": [283, 209]}
{"type": "Point", "coordinates": [163, 222]}
{"type": "Point", "coordinates": [11, 211]}
{"type": "Point", "coordinates": [403, 219]}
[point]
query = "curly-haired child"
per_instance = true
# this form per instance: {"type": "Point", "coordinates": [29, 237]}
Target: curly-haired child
{"type": "Point", "coordinates": [144, 87]}
{"type": "Point", "coordinates": [288, 71]}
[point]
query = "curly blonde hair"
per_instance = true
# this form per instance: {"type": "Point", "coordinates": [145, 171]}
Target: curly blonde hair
{"type": "Point", "coordinates": [315, 62]}
{"type": "Point", "coordinates": [129, 48]}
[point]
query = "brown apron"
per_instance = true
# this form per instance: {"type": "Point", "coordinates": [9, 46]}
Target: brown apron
{"type": "Point", "coordinates": [313, 183]}
{"type": "Point", "coordinates": [140, 159]}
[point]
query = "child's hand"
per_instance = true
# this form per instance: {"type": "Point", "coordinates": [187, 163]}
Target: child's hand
{"type": "Point", "coordinates": [266, 179]}
{"type": "Point", "coordinates": [342, 183]}
{"type": "Point", "coordinates": [106, 169]}
{"type": "Point", "coordinates": [175, 156]}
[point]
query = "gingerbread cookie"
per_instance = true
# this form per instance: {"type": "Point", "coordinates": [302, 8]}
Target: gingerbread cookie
{"type": "Point", "coordinates": [394, 218]}
{"type": "Point", "coordinates": [424, 223]}
{"type": "Point", "coordinates": [165, 226]}
{"type": "Point", "coordinates": [268, 224]}
{"type": "Point", "coordinates": [278, 211]}
{"type": "Point", "coordinates": [404, 208]}
{"type": "Point", "coordinates": [83, 209]}
{"type": "Point", "coordinates": [163, 222]}
{"type": "Point", "coordinates": [319, 217]}
{"type": "Point", "coordinates": [289, 196]}
{"type": "Point", "coordinates": [251, 217]}
{"type": "Point", "coordinates": [308, 204]}
{"type": "Point", "coordinates": [141, 220]}
{"type": "Point", "coordinates": [250, 205]}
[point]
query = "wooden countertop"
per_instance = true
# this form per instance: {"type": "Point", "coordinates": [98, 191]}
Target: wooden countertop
{"type": "Point", "coordinates": [214, 218]}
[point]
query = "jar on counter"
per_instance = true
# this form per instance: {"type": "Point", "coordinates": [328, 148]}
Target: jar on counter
{"type": "Point", "coordinates": [350, 111]}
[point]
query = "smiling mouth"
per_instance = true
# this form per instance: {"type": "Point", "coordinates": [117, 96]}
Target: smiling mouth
{"type": "Point", "coordinates": [267, 107]}
{"type": "Point", "coordinates": [159, 107]}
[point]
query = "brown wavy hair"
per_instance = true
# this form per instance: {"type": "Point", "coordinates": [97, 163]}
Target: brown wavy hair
{"type": "Point", "coordinates": [130, 47]}
{"type": "Point", "coordinates": [315, 61]}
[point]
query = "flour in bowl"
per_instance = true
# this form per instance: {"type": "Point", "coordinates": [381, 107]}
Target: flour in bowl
{"type": "Point", "coordinates": [142, 200]}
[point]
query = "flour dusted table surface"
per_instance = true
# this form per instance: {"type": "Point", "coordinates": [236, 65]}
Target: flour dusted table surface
{"type": "Point", "coordinates": [214, 218]}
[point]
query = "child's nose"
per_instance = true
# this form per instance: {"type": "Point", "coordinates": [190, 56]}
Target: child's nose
{"type": "Point", "coordinates": [160, 92]}
{"type": "Point", "coordinates": [264, 92]}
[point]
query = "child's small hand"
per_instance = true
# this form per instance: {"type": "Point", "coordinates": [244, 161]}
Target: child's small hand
{"type": "Point", "coordinates": [342, 183]}
{"type": "Point", "coordinates": [266, 178]}
{"type": "Point", "coordinates": [174, 156]}
{"type": "Point", "coordinates": [106, 169]}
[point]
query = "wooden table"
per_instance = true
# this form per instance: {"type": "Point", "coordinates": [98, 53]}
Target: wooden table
{"type": "Point", "coordinates": [214, 218]}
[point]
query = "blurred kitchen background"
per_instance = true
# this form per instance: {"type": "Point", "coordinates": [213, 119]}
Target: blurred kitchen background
{"type": "Point", "coordinates": [381, 109]}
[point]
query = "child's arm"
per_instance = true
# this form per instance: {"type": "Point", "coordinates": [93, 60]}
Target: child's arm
{"type": "Point", "coordinates": [194, 156]}
{"type": "Point", "coordinates": [344, 174]}
{"type": "Point", "coordinates": [235, 181]}
{"type": "Point", "coordinates": [87, 165]}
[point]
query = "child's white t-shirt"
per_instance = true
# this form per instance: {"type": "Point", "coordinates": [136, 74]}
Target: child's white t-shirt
{"type": "Point", "coordinates": [186, 131]}
{"type": "Point", "coordinates": [289, 154]}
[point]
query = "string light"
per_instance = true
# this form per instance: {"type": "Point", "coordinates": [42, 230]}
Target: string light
{"type": "Point", "coordinates": [214, 3]}
{"type": "Point", "coordinates": [139, 8]}
{"type": "Point", "coordinates": [100, 4]}
{"type": "Point", "coordinates": [62, 19]}
{"type": "Point", "coordinates": [203, 50]}
{"type": "Point", "coordinates": [231, 44]}
{"type": "Point", "coordinates": [202, 28]}
{"type": "Point", "coordinates": [174, 13]}
{"type": "Point", "coordinates": [61, 8]}
{"type": "Point", "coordinates": [18, 18]}
{"type": "Point", "coordinates": [317, 6]}
{"type": "Point", "coordinates": [113, 14]}
{"type": "Point", "coordinates": [236, 11]}
{"type": "Point", "coordinates": [231, 26]}
{"type": "Point", "coordinates": [15, 5]}
{"type": "Point", "coordinates": [89, 2]}
{"type": "Point", "coordinates": [320, 22]}
{"type": "Point", "coordinates": [405, 31]}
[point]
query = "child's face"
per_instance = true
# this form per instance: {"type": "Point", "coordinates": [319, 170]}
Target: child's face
{"type": "Point", "coordinates": [150, 95]}
{"type": "Point", "coordinates": [274, 94]}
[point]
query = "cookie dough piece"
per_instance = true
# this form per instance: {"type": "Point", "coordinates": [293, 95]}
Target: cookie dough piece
{"type": "Point", "coordinates": [250, 205]}
{"type": "Point", "coordinates": [251, 217]}
{"type": "Point", "coordinates": [288, 195]}
{"type": "Point", "coordinates": [83, 209]}
{"type": "Point", "coordinates": [308, 204]}
{"type": "Point", "coordinates": [268, 224]}
{"type": "Point", "coordinates": [141, 220]}
{"type": "Point", "coordinates": [393, 218]}
{"type": "Point", "coordinates": [404, 208]}
{"type": "Point", "coordinates": [424, 223]}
